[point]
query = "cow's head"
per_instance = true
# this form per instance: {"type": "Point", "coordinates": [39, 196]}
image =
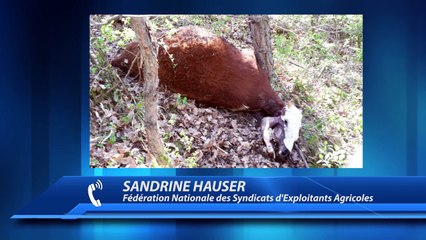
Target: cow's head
{"type": "Point", "coordinates": [284, 130]}
{"type": "Point", "coordinates": [291, 123]}
{"type": "Point", "coordinates": [125, 59]}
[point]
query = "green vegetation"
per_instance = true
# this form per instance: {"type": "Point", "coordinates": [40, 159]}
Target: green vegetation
{"type": "Point", "coordinates": [181, 100]}
{"type": "Point", "coordinates": [318, 61]}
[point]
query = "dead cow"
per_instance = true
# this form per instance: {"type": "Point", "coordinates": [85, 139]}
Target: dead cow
{"type": "Point", "coordinates": [210, 70]}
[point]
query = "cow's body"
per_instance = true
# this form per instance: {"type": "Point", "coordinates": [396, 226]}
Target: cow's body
{"type": "Point", "coordinates": [210, 70]}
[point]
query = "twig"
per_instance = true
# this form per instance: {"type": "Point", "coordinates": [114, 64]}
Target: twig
{"type": "Point", "coordinates": [105, 93]}
{"type": "Point", "coordinates": [296, 64]}
{"type": "Point", "coordinates": [125, 89]}
{"type": "Point", "coordinates": [100, 71]}
{"type": "Point", "coordinates": [219, 148]}
{"type": "Point", "coordinates": [296, 146]}
{"type": "Point", "coordinates": [322, 71]}
{"type": "Point", "coordinates": [115, 17]}
{"type": "Point", "coordinates": [133, 62]}
{"type": "Point", "coordinates": [109, 135]}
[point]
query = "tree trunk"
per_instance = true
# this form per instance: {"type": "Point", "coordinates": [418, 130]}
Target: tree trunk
{"type": "Point", "coordinates": [260, 32]}
{"type": "Point", "coordinates": [149, 65]}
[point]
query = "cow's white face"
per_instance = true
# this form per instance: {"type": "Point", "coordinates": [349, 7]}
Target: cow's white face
{"type": "Point", "coordinates": [292, 124]}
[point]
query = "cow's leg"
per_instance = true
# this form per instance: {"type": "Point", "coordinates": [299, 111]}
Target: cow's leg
{"type": "Point", "coordinates": [268, 123]}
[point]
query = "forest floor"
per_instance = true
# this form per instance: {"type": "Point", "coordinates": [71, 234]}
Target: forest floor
{"type": "Point", "coordinates": [319, 67]}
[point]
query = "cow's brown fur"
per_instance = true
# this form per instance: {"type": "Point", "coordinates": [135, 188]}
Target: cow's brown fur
{"type": "Point", "coordinates": [210, 70]}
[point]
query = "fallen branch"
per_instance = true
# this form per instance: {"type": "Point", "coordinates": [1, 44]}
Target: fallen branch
{"type": "Point", "coordinates": [296, 64]}
{"type": "Point", "coordinates": [113, 18]}
{"type": "Point", "coordinates": [296, 146]}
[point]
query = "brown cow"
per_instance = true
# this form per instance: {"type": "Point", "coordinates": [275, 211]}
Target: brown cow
{"type": "Point", "coordinates": [208, 69]}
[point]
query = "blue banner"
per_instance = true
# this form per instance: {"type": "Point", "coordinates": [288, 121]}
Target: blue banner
{"type": "Point", "coordinates": [231, 197]}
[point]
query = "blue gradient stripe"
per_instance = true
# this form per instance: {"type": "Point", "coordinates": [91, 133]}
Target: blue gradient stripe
{"type": "Point", "coordinates": [272, 210]}
{"type": "Point", "coordinates": [68, 198]}
{"type": "Point", "coordinates": [229, 216]}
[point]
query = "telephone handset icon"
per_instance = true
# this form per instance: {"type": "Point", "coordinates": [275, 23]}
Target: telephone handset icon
{"type": "Point", "coordinates": [90, 189]}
